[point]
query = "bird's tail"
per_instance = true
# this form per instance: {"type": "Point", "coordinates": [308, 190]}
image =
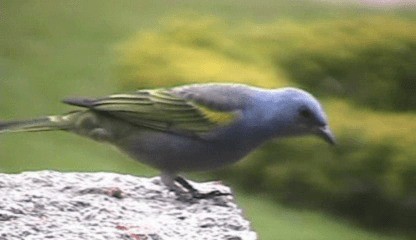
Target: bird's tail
{"type": "Point", "coordinates": [48, 123]}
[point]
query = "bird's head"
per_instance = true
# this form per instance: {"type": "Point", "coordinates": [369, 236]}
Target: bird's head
{"type": "Point", "coordinates": [299, 113]}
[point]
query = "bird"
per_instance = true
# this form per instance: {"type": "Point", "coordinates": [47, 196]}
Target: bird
{"type": "Point", "coordinates": [193, 127]}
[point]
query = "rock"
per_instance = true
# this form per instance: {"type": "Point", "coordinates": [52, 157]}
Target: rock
{"type": "Point", "coordinates": [53, 205]}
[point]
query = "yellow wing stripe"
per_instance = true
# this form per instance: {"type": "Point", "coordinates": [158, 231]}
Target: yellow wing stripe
{"type": "Point", "coordinates": [215, 116]}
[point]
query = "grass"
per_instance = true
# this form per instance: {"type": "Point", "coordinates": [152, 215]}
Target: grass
{"type": "Point", "coordinates": [53, 49]}
{"type": "Point", "coordinates": [276, 222]}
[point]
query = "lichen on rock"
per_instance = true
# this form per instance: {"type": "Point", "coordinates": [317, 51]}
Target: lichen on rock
{"type": "Point", "coordinates": [47, 204]}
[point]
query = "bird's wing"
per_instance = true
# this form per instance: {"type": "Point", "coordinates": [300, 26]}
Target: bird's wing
{"type": "Point", "coordinates": [162, 110]}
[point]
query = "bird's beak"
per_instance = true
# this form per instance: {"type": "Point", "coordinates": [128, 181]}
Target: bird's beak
{"type": "Point", "coordinates": [325, 133]}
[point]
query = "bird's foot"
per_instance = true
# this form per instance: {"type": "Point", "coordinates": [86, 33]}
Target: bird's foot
{"type": "Point", "coordinates": [208, 195]}
{"type": "Point", "coordinates": [197, 194]}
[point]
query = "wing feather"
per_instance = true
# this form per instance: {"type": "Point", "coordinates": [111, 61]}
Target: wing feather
{"type": "Point", "coordinates": [159, 109]}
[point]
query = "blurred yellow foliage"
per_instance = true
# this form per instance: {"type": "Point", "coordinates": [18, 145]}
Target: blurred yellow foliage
{"type": "Point", "coordinates": [373, 126]}
{"type": "Point", "coordinates": [192, 51]}
{"type": "Point", "coordinates": [368, 59]}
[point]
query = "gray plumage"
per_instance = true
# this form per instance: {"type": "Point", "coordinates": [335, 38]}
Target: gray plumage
{"type": "Point", "coordinates": [189, 128]}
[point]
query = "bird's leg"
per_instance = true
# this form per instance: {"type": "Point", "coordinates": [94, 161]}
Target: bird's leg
{"type": "Point", "coordinates": [195, 193]}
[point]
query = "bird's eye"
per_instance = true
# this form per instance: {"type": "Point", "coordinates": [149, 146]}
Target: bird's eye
{"type": "Point", "coordinates": [306, 113]}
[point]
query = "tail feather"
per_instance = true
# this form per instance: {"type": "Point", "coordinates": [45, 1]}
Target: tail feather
{"type": "Point", "coordinates": [34, 125]}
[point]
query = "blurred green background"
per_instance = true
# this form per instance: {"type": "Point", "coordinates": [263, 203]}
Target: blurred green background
{"type": "Point", "coordinates": [359, 58]}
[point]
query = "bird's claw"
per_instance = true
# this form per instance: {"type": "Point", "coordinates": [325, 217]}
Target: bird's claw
{"type": "Point", "coordinates": [208, 195]}
{"type": "Point", "coordinates": [195, 194]}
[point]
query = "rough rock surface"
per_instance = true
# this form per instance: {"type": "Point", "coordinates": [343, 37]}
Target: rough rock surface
{"type": "Point", "coordinates": [53, 205]}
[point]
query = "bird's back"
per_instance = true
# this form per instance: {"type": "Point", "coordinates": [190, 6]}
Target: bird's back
{"type": "Point", "coordinates": [220, 96]}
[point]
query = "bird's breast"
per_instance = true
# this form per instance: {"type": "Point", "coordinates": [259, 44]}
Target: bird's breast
{"type": "Point", "coordinates": [176, 153]}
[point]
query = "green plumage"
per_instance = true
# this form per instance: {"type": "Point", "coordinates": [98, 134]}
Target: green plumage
{"type": "Point", "coordinates": [160, 110]}
{"type": "Point", "coordinates": [35, 125]}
